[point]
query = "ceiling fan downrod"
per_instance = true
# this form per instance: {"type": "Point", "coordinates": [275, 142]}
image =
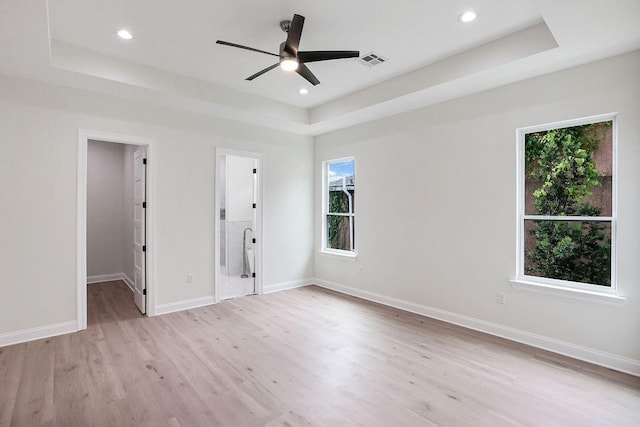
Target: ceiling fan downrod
{"type": "Point", "coordinates": [285, 25]}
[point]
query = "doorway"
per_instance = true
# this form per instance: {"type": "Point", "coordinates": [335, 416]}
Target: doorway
{"type": "Point", "coordinates": [115, 216]}
{"type": "Point", "coordinates": [238, 225]}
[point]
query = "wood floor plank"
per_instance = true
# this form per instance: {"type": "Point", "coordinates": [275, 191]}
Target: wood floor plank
{"type": "Point", "coordinates": [34, 399]}
{"type": "Point", "coordinates": [11, 363]}
{"type": "Point", "coordinates": [304, 357]}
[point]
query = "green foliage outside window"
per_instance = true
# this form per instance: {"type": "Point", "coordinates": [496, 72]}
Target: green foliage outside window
{"type": "Point", "coordinates": [561, 164]}
{"type": "Point", "coordinates": [338, 233]}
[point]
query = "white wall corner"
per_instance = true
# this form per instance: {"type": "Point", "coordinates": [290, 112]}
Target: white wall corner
{"type": "Point", "coordinates": [277, 287]}
{"type": "Point", "coordinates": [183, 305]}
{"type": "Point", "coordinates": [31, 334]}
{"type": "Point", "coordinates": [597, 357]}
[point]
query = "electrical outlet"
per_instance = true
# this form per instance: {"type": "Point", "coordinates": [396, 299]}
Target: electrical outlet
{"type": "Point", "coordinates": [502, 298]}
{"type": "Point", "coordinates": [190, 278]}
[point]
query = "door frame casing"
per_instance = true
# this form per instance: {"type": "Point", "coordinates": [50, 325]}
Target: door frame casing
{"type": "Point", "coordinates": [84, 135]}
{"type": "Point", "coordinates": [258, 225]}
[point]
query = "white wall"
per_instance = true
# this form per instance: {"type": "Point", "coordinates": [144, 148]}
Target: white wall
{"type": "Point", "coordinates": [38, 166]}
{"type": "Point", "coordinates": [436, 205]}
{"type": "Point", "coordinates": [105, 208]}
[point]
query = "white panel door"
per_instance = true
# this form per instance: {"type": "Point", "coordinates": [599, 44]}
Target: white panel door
{"type": "Point", "coordinates": [139, 229]}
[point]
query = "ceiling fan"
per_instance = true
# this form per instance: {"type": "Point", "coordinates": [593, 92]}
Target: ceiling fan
{"type": "Point", "coordinates": [291, 59]}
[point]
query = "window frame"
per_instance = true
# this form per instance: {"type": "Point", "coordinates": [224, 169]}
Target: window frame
{"type": "Point", "coordinates": [521, 216]}
{"type": "Point", "coordinates": [325, 210]}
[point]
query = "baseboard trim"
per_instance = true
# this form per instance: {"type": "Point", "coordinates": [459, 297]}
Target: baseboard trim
{"type": "Point", "coordinates": [91, 280]}
{"type": "Point", "coordinates": [105, 278]}
{"type": "Point", "coordinates": [608, 360]}
{"type": "Point", "coordinates": [31, 334]}
{"type": "Point", "coordinates": [277, 287]}
{"type": "Point", "coordinates": [184, 305]}
{"type": "Point", "coordinates": [126, 279]}
{"type": "Point", "coordinates": [204, 301]}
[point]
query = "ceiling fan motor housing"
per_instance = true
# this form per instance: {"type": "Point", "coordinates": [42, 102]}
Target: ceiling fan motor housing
{"type": "Point", "coordinates": [284, 55]}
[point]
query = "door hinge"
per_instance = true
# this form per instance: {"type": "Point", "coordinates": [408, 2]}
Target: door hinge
{"type": "Point", "coordinates": [254, 240]}
{"type": "Point", "coordinates": [253, 274]}
{"type": "Point", "coordinates": [144, 205]}
{"type": "Point", "coordinates": [254, 206]}
{"type": "Point", "coordinates": [255, 171]}
{"type": "Point", "coordinates": [144, 291]}
{"type": "Point", "coordinates": [144, 161]}
{"type": "Point", "coordinates": [144, 248]}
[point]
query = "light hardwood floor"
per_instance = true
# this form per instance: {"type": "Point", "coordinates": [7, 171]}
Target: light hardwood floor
{"type": "Point", "coordinates": [301, 357]}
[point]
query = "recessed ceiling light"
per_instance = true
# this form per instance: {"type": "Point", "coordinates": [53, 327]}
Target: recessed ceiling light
{"type": "Point", "coordinates": [124, 34]}
{"type": "Point", "coordinates": [468, 16]}
{"type": "Point", "coordinates": [303, 91]}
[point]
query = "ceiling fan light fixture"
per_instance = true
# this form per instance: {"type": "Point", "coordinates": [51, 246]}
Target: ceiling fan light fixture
{"type": "Point", "coordinates": [124, 34]}
{"type": "Point", "coordinates": [468, 16]}
{"type": "Point", "coordinates": [289, 64]}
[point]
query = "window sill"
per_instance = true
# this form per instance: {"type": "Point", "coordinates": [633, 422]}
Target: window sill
{"type": "Point", "coordinates": [344, 256]}
{"type": "Point", "coordinates": [577, 294]}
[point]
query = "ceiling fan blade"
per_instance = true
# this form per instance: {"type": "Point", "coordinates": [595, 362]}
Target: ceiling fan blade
{"type": "Point", "coordinates": [326, 55]}
{"type": "Point", "coordinates": [244, 47]}
{"type": "Point", "coordinates": [294, 34]}
{"type": "Point", "coordinates": [261, 72]}
{"type": "Point", "coordinates": [307, 74]}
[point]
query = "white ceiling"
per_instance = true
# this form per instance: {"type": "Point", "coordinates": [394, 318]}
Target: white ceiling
{"type": "Point", "coordinates": [180, 37]}
{"type": "Point", "coordinates": [173, 58]}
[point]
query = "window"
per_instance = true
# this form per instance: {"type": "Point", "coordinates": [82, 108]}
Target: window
{"type": "Point", "coordinates": [339, 206]}
{"type": "Point", "coordinates": [567, 204]}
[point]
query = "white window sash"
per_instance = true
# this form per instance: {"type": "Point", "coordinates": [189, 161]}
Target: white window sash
{"type": "Point", "coordinates": [351, 215]}
{"type": "Point", "coordinates": [568, 218]}
{"type": "Point", "coordinates": [522, 217]}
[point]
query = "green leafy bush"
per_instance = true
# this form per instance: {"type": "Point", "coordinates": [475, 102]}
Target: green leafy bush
{"type": "Point", "coordinates": [561, 164]}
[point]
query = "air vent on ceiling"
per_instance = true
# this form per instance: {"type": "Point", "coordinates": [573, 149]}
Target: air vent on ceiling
{"type": "Point", "coordinates": [371, 59]}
